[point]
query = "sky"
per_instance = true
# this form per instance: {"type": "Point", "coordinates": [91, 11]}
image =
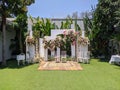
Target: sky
{"type": "Point", "coordinates": [59, 8]}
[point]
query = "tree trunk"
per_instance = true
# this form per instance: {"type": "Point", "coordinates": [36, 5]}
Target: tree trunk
{"type": "Point", "coordinates": [20, 42]}
{"type": "Point", "coordinates": [3, 39]}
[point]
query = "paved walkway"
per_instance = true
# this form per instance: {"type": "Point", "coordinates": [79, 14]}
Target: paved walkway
{"type": "Point", "coordinates": [52, 65]}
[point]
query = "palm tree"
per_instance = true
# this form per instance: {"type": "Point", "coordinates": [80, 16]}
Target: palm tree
{"type": "Point", "coordinates": [66, 24]}
{"type": "Point", "coordinates": [36, 33]}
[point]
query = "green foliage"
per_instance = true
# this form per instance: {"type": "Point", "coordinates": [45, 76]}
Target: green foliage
{"type": "Point", "coordinates": [37, 28]}
{"type": "Point", "coordinates": [11, 8]}
{"type": "Point", "coordinates": [20, 25]}
{"type": "Point", "coordinates": [14, 7]}
{"type": "Point", "coordinates": [88, 27]}
{"type": "Point", "coordinates": [105, 21]}
{"type": "Point", "coordinates": [66, 24]}
{"type": "Point", "coordinates": [114, 44]}
{"type": "Point", "coordinates": [42, 27]}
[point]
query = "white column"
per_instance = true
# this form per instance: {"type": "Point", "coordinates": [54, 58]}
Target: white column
{"type": "Point", "coordinates": [41, 47]}
{"type": "Point", "coordinates": [72, 50]}
{"type": "Point", "coordinates": [81, 52]}
{"type": "Point", "coordinates": [83, 33]}
{"type": "Point", "coordinates": [26, 49]}
{"type": "Point", "coordinates": [46, 54]}
{"type": "Point", "coordinates": [30, 27]}
{"type": "Point", "coordinates": [32, 51]}
{"type": "Point", "coordinates": [72, 26]}
{"type": "Point", "coordinates": [31, 34]}
{"type": "Point", "coordinates": [58, 52]}
{"type": "Point", "coordinates": [87, 48]}
{"type": "Point", "coordinates": [52, 53]}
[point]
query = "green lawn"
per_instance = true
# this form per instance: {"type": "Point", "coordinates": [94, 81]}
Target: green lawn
{"type": "Point", "coordinates": [95, 76]}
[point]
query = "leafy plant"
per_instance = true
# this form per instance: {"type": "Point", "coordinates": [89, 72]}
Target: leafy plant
{"type": "Point", "coordinates": [11, 8]}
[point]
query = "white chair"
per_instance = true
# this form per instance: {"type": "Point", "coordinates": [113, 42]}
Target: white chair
{"type": "Point", "coordinates": [21, 57]}
{"type": "Point", "coordinates": [86, 57]}
{"type": "Point", "coordinates": [115, 59]}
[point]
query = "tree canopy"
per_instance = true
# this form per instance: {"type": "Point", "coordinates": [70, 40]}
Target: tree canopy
{"type": "Point", "coordinates": [11, 8]}
{"type": "Point", "coordinates": [106, 20]}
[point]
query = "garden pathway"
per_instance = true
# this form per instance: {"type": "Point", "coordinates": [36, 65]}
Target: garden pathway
{"type": "Point", "coordinates": [52, 65]}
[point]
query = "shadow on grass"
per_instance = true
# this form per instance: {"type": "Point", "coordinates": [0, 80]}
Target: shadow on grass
{"type": "Point", "coordinates": [103, 59]}
{"type": "Point", "coordinates": [13, 65]}
{"type": "Point", "coordinates": [107, 61]}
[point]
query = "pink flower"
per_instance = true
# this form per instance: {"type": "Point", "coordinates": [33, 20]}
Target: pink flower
{"type": "Point", "coordinates": [73, 43]}
{"type": "Point", "coordinates": [76, 33]}
{"type": "Point", "coordinates": [64, 32]}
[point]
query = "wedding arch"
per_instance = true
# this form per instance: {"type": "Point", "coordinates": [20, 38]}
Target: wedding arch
{"type": "Point", "coordinates": [56, 41]}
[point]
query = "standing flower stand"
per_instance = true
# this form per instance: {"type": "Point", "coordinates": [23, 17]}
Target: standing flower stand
{"type": "Point", "coordinates": [63, 56]}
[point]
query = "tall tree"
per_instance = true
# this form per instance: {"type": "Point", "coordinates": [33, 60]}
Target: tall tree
{"type": "Point", "coordinates": [105, 20]}
{"type": "Point", "coordinates": [11, 8]}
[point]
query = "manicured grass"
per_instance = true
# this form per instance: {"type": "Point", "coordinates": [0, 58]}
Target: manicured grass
{"type": "Point", "coordinates": [95, 76]}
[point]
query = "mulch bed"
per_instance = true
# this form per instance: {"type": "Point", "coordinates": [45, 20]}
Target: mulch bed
{"type": "Point", "coordinates": [52, 65]}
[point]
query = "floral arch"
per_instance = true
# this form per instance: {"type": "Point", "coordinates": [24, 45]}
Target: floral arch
{"type": "Point", "coordinates": [57, 41]}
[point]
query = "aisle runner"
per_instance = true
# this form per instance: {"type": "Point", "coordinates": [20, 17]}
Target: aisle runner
{"type": "Point", "coordinates": [52, 65]}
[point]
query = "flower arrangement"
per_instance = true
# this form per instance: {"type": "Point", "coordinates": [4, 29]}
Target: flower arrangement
{"type": "Point", "coordinates": [58, 41]}
{"type": "Point", "coordinates": [46, 43]}
{"type": "Point", "coordinates": [51, 44]}
{"type": "Point", "coordinates": [83, 41]}
{"type": "Point", "coordinates": [72, 36]}
{"type": "Point", "coordinates": [30, 40]}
